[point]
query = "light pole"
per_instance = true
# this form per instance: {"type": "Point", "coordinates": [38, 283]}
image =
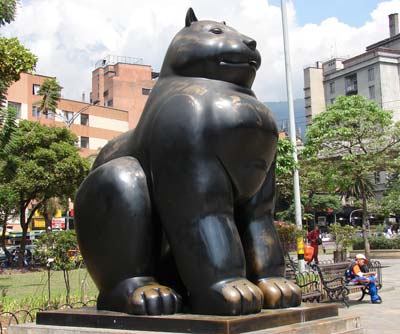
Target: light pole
{"type": "Point", "coordinates": [68, 122]}
{"type": "Point", "coordinates": [296, 183]}
{"type": "Point", "coordinates": [351, 213]}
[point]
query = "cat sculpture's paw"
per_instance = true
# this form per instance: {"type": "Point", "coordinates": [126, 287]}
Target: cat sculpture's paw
{"type": "Point", "coordinates": [279, 293]}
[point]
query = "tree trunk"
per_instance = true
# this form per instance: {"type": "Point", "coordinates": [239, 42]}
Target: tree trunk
{"type": "Point", "coordinates": [3, 237]}
{"type": "Point", "coordinates": [365, 226]}
{"type": "Point", "coordinates": [67, 286]}
{"type": "Point", "coordinates": [24, 222]}
{"type": "Point", "coordinates": [24, 227]}
{"type": "Point", "coordinates": [47, 216]}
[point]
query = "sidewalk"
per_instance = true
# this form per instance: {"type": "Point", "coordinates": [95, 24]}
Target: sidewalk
{"type": "Point", "coordinates": [379, 318]}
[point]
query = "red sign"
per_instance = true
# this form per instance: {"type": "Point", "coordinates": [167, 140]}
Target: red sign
{"type": "Point", "coordinates": [58, 223]}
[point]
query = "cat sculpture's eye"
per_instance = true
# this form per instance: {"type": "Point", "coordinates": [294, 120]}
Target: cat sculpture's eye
{"type": "Point", "coordinates": [216, 31]}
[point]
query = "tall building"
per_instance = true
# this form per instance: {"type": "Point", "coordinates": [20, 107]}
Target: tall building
{"type": "Point", "coordinates": [94, 125]}
{"type": "Point", "coordinates": [120, 88]}
{"type": "Point", "coordinates": [374, 74]}
{"type": "Point", "coordinates": [123, 83]}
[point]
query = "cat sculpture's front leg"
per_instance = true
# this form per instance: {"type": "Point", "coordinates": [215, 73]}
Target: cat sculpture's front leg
{"type": "Point", "coordinates": [263, 251]}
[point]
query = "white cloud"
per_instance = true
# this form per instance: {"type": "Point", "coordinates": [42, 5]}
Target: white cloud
{"type": "Point", "coordinates": [70, 36]}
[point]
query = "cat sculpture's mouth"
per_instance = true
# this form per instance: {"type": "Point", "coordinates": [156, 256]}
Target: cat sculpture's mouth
{"type": "Point", "coordinates": [252, 63]}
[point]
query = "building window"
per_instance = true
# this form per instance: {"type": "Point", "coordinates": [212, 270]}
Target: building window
{"type": "Point", "coordinates": [105, 93]}
{"type": "Point", "coordinates": [16, 106]}
{"type": "Point", "coordinates": [109, 103]}
{"type": "Point", "coordinates": [35, 89]}
{"type": "Point", "coordinates": [332, 87]}
{"type": "Point", "coordinates": [371, 90]}
{"type": "Point", "coordinates": [85, 119]}
{"type": "Point", "coordinates": [371, 74]}
{"type": "Point", "coordinates": [146, 91]}
{"type": "Point", "coordinates": [68, 115]}
{"type": "Point", "coordinates": [35, 112]}
{"type": "Point", "coordinates": [351, 85]}
{"type": "Point", "coordinates": [85, 142]}
{"type": "Point", "coordinates": [49, 114]}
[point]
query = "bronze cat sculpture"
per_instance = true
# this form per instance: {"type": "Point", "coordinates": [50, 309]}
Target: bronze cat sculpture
{"type": "Point", "coordinates": [179, 212]}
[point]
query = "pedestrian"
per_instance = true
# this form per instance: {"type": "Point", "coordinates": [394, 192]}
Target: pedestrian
{"type": "Point", "coordinates": [314, 238]}
{"type": "Point", "coordinates": [388, 232]}
{"type": "Point", "coordinates": [359, 275]}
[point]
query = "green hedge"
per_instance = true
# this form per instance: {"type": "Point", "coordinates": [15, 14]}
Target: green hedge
{"type": "Point", "coordinates": [377, 243]}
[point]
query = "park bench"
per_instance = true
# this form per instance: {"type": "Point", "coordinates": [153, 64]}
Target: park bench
{"type": "Point", "coordinates": [334, 284]}
{"type": "Point", "coordinates": [310, 286]}
{"type": "Point", "coordinates": [308, 281]}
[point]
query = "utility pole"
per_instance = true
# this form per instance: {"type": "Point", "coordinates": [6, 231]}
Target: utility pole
{"type": "Point", "coordinates": [69, 121]}
{"type": "Point", "coordinates": [292, 133]}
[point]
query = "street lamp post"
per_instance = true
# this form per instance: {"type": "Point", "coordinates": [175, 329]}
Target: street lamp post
{"type": "Point", "coordinates": [296, 183]}
{"type": "Point", "coordinates": [351, 213]}
{"type": "Point", "coordinates": [69, 121]}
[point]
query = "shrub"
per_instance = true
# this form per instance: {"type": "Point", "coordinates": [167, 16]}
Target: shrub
{"type": "Point", "coordinates": [288, 234]}
{"type": "Point", "coordinates": [378, 243]}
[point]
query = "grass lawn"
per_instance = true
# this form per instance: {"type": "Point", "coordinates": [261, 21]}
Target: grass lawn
{"type": "Point", "coordinates": [18, 289]}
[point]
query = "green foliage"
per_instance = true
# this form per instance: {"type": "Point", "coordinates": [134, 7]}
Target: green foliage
{"type": "Point", "coordinates": [322, 202]}
{"type": "Point", "coordinates": [285, 163]}
{"type": "Point", "coordinates": [8, 123]}
{"type": "Point", "coordinates": [45, 164]}
{"type": "Point", "coordinates": [348, 143]}
{"type": "Point", "coordinates": [377, 243]}
{"type": "Point", "coordinates": [390, 202]}
{"type": "Point", "coordinates": [27, 289]}
{"type": "Point", "coordinates": [55, 245]}
{"type": "Point", "coordinates": [53, 248]}
{"type": "Point", "coordinates": [8, 10]}
{"type": "Point", "coordinates": [48, 163]}
{"type": "Point", "coordinates": [14, 59]}
{"type": "Point", "coordinates": [50, 91]}
{"type": "Point", "coordinates": [343, 236]}
{"type": "Point", "coordinates": [288, 234]}
{"type": "Point", "coordinates": [355, 138]}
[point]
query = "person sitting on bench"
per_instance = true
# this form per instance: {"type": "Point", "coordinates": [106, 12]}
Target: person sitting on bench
{"type": "Point", "coordinates": [358, 275]}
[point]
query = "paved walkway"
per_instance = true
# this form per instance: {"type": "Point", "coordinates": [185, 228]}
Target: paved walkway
{"type": "Point", "coordinates": [379, 318]}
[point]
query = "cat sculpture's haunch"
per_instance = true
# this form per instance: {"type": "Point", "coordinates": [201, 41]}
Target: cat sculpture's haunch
{"type": "Point", "coordinates": [177, 214]}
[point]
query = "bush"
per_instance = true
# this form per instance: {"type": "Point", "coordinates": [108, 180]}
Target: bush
{"type": "Point", "coordinates": [288, 234]}
{"type": "Point", "coordinates": [377, 243]}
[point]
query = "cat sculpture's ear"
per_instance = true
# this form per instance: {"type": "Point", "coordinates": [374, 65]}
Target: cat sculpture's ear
{"type": "Point", "coordinates": [190, 17]}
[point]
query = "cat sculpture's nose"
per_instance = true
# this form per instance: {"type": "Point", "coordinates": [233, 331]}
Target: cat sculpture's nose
{"type": "Point", "coordinates": [251, 43]}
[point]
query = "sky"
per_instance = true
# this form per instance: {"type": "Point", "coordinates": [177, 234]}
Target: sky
{"type": "Point", "coordinates": [70, 36]}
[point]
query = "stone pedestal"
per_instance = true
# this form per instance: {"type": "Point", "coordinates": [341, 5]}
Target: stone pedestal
{"type": "Point", "coordinates": [89, 320]}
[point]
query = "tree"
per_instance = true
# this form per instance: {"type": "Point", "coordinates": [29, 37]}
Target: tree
{"type": "Point", "coordinates": [285, 165]}
{"type": "Point", "coordinates": [348, 143]}
{"type": "Point", "coordinates": [8, 9]}
{"type": "Point", "coordinates": [50, 91]}
{"type": "Point", "coordinates": [56, 246]}
{"type": "Point", "coordinates": [47, 165]}
{"type": "Point", "coordinates": [14, 57]}
{"type": "Point", "coordinates": [8, 195]}
{"type": "Point", "coordinates": [389, 204]}
{"type": "Point", "coordinates": [322, 203]}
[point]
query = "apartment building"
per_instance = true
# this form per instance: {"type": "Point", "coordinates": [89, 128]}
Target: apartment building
{"type": "Point", "coordinates": [120, 88]}
{"type": "Point", "coordinates": [123, 83]}
{"type": "Point", "coordinates": [374, 74]}
{"type": "Point", "coordinates": [93, 124]}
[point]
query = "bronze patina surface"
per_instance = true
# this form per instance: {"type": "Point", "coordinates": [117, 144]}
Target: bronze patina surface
{"type": "Point", "coordinates": [187, 323]}
{"type": "Point", "coordinates": [179, 211]}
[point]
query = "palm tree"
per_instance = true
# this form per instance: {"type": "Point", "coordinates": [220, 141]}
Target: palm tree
{"type": "Point", "coordinates": [363, 189]}
{"type": "Point", "coordinates": [8, 196]}
{"type": "Point", "coordinates": [50, 91]}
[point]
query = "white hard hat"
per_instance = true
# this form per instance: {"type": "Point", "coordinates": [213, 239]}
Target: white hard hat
{"type": "Point", "coordinates": [361, 257]}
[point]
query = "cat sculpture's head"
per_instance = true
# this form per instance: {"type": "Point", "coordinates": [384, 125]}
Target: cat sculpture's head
{"type": "Point", "coordinates": [212, 50]}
